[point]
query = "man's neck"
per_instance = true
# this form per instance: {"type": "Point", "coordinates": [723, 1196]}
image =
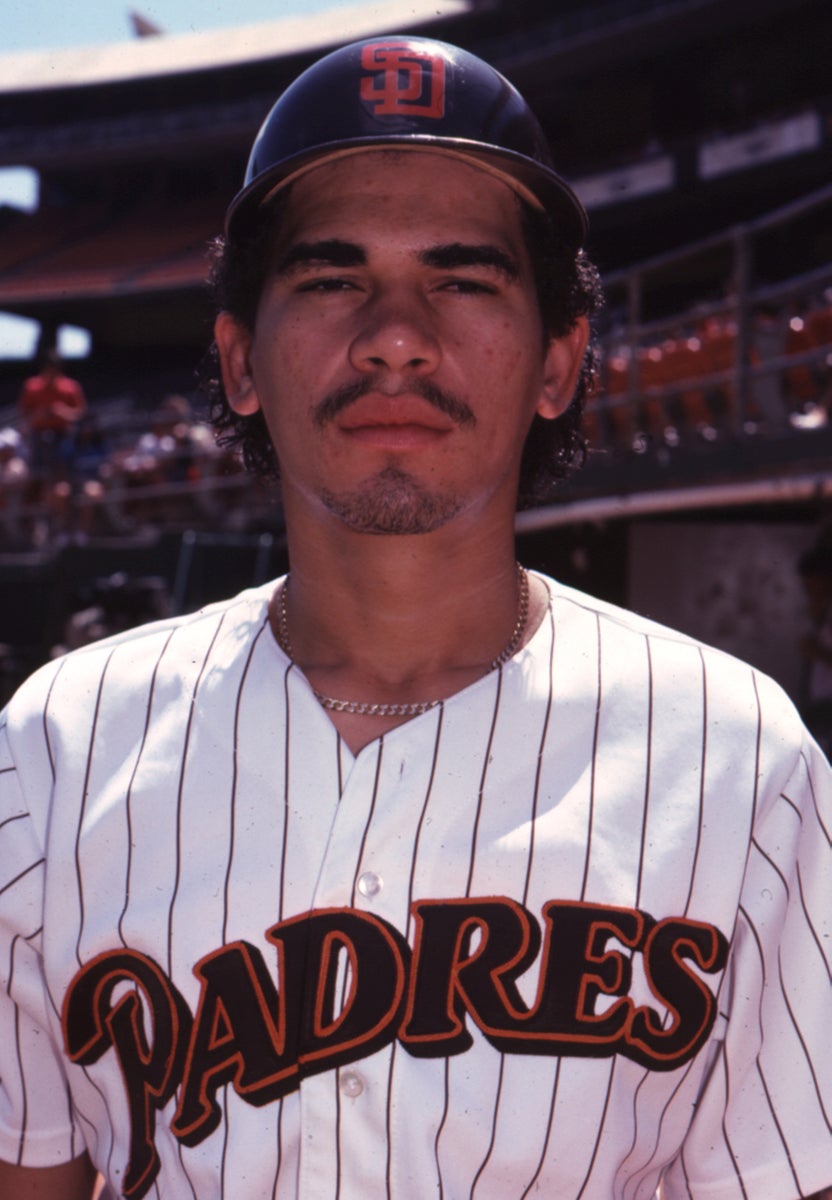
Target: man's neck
{"type": "Point", "coordinates": [400, 620]}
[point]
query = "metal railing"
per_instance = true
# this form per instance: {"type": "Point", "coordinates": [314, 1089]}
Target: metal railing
{"type": "Point", "coordinates": [771, 338]}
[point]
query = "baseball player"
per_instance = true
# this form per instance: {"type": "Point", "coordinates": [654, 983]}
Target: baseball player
{"type": "Point", "coordinates": [414, 873]}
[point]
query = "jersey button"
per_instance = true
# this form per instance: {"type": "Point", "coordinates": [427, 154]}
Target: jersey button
{"type": "Point", "coordinates": [351, 1084]}
{"type": "Point", "coordinates": [369, 884]}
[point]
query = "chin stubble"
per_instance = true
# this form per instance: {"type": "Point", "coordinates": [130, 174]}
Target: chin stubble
{"type": "Point", "coordinates": [392, 502]}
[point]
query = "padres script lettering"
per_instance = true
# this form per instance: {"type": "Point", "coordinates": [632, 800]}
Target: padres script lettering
{"type": "Point", "coordinates": [468, 955]}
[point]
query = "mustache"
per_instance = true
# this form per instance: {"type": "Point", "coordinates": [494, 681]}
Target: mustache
{"type": "Point", "coordinates": [445, 402]}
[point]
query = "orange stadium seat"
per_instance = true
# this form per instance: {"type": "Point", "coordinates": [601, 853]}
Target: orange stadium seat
{"type": "Point", "coordinates": [650, 375]}
{"type": "Point", "coordinates": [718, 355]}
{"type": "Point", "coordinates": [809, 383]}
{"type": "Point", "coordinates": [800, 379]}
{"type": "Point", "coordinates": [620, 416]}
{"type": "Point", "coordinates": [689, 366]}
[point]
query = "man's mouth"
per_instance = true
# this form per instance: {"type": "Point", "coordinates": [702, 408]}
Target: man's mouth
{"type": "Point", "coordinates": [366, 404]}
{"type": "Point", "coordinates": [377, 411]}
{"type": "Point", "coordinates": [404, 422]}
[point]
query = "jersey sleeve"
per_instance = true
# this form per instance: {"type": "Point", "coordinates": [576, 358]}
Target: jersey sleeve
{"type": "Point", "coordinates": [36, 1122]}
{"type": "Point", "coordinates": [762, 1128]}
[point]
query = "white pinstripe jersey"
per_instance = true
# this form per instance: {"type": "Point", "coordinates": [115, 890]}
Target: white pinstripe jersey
{"type": "Point", "coordinates": [566, 935]}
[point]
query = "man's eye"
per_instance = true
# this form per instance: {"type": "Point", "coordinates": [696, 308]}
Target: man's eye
{"type": "Point", "coordinates": [469, 287]}
{"type": "Point", "coordinates": [325, 285]}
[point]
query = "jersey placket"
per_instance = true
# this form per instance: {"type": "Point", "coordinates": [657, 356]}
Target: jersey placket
{"type": "Point", "coordinates": [366, 869]}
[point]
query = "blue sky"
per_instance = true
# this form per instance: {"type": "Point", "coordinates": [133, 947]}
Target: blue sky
{"type": "Point", "coordinates": [49, 24]}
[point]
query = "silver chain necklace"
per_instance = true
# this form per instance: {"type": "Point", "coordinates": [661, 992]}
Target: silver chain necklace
{"type": "Point", "coordinates": [362, 708]}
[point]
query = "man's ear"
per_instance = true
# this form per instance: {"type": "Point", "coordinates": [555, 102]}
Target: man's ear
{"type": "Point", "coordinates": [234, 345]}
{"type": "Point", "coordinates": [561, 369]}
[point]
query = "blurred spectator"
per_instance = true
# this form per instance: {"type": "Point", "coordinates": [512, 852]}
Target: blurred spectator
{"type": "Point", "coordinates": [118, 470]}
{"type": "Point", "coordinates": [91, 468]}
{"type": "Point", "coordinates": [51, 405]}
{"type": "Point", "coordinates": [166, 453]}
{"type": "Point", "coordinates": [177, 450]}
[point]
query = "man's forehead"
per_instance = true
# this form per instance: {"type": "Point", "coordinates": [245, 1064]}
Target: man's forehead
{"type": "Point", "coordinates": [416, 192]}
{"type": "Point", "coordinates": [436, 162]}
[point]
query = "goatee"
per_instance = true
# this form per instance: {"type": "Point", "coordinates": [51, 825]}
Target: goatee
{"type": "Point", "coordinates": [392, 502]}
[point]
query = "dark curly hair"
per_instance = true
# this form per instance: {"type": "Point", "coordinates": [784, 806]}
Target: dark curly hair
{"type": "Point", "coordinates": [568, 287]}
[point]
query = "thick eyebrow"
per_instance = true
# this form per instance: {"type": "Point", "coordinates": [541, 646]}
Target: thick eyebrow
{"type": "Point", "coordinates": [330, 253]}
{"type": "Point", "coordinates": [333, 252]}
{"type": "Point", "coordinates": [461, 254]}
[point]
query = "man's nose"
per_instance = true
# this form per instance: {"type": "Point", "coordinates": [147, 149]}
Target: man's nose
{"type": "Point", "coordinates": [397, 334]}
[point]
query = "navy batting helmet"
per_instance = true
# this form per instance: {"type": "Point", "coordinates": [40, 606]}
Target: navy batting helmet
{"type": "Point", "coordinates": [405, 93]}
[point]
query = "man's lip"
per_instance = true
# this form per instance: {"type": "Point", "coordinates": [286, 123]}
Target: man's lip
{"type": "Point", "coordinates": [396, 437]}
{"type": "Point", "coordinates": [376, 411]}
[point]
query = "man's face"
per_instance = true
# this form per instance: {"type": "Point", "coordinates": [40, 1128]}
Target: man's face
{"type": "Point", "coordinates": [397, 352]}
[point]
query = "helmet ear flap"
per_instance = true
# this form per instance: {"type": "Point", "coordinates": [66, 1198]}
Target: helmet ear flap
{"type": "Point", "coordinates": [405, 93]}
